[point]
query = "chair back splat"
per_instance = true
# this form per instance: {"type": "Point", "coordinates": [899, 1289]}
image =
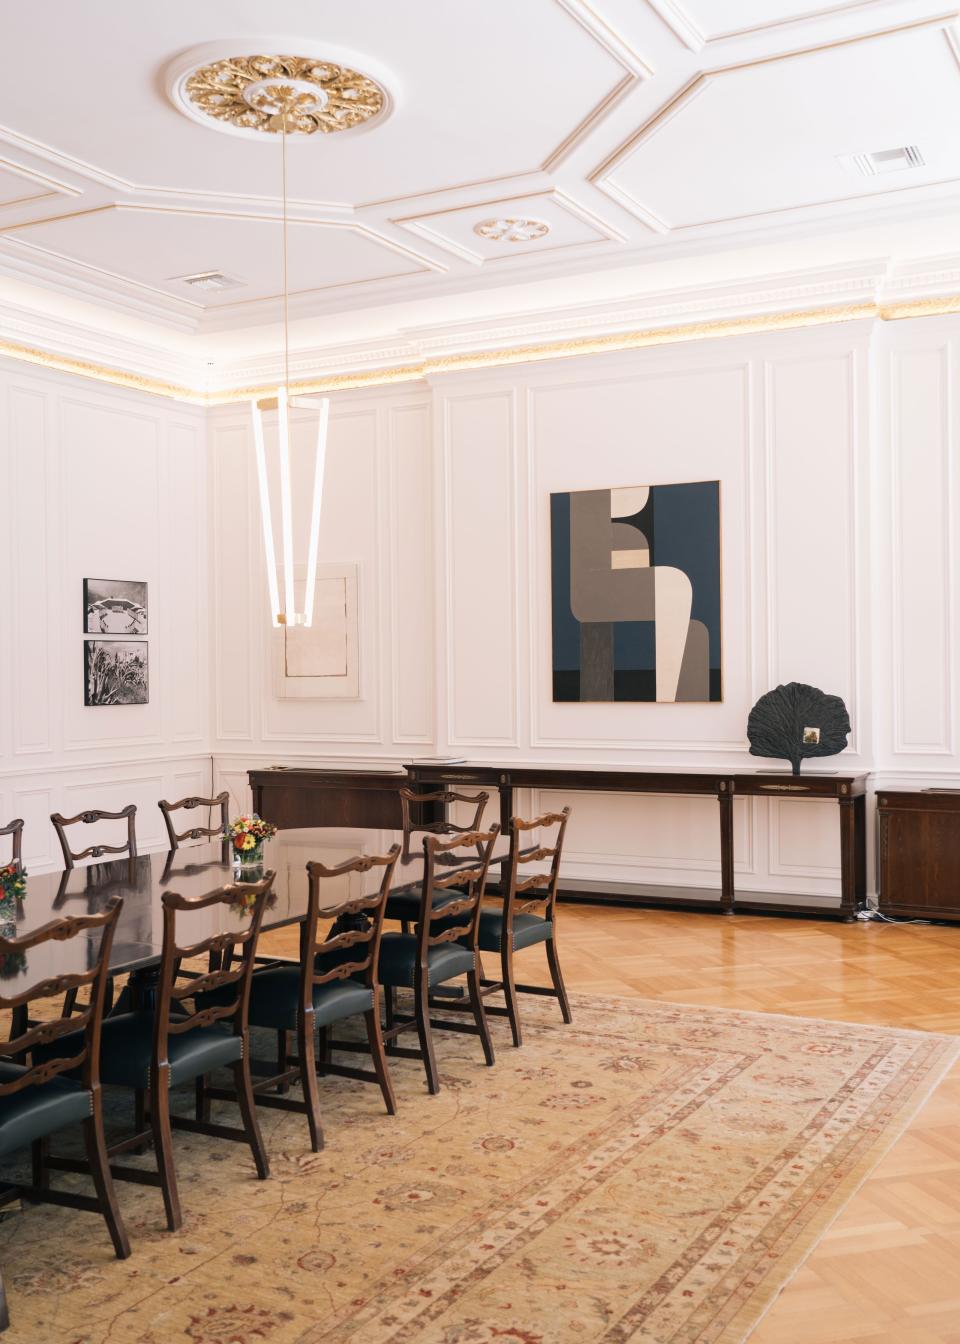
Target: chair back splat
{"type": "Point", "coordinates": [14, 829]}
{"type": "Point", "coordinates": [247, 896]}
{"type": "Point", "coordinates": [59, 1087]}
{"type": "Point", "coordinates": [521, 897]}
{"type": "Point", "coordinates": [419, 812]}
{"type": "Point", "coordinates": [222, 801]}
{"type": "Point", "coordinates": [27, 1038]}
{"type": "Point", "coordinates": [467, 883]}
{"type": "Point", "coordinates": [70, 857]}
{"type": "Point", "coordinates": [355, 950]}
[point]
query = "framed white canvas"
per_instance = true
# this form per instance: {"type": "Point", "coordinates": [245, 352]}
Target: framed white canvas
{"type": "Point", "coordinates": [321, 662]}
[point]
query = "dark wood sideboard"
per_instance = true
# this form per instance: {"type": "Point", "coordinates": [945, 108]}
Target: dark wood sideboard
{"type": "Point", "coordinates": [919, 843]}
{"type": "Point", "coordinates": [292, 797]}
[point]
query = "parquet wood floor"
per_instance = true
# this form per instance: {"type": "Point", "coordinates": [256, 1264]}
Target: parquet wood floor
{"type": "Point", "coordinates": [888, 1271]}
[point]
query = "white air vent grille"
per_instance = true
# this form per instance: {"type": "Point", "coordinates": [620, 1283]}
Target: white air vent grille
{"type": "Point", "coordinates": [883, 161]}
{"type": "Point", "coordinates": [209, 280]}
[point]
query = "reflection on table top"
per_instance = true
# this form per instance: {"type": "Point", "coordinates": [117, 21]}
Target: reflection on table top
{"type": "Point", "coordinates": [192, 870]}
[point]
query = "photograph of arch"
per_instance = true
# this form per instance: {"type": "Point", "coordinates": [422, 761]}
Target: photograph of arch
{"type": "Point", "coordinates": [636, 593]}
{"type": "Point", "coordinates": [114, 607]}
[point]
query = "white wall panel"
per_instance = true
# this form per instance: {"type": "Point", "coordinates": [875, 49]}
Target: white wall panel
{"type": "Point", "coordinates": [411, 574]}
{"type": "Point", "coordinates": [104, 484]}
{"type": "Point", "coordinates": [924, 584]}
{"type": "Point", "coordinates": [479, 573]}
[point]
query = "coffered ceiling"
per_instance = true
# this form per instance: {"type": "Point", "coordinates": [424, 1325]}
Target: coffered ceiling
{"type": "Point", "coordinates": [616, 132]}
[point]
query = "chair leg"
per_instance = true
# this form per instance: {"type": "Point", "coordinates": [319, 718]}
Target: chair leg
{"type": "Point", "coordinates": [103, 1181]}
{"type": "Point", "coordinates": [202, 1103]}
{"type": "Point", "coordinates": [308, 1080]}
{"type": "Point", "coordinates": [390, 1013]}
{"type": "Point", "coordinates": [163, 1147]}
{"type": "Point", "coordinates": [248, 1110]}
{"type": "Point", "coordinates": [379, 1057]}
{"type": "Point", "coordinates": [479, 1016]}
{"type": "Point", "coordinates": [558, 985]}
{"type": "Point", "coordinates": [4, 1313]}
{"type": "Point", "coordinates": [282, 1060]}
{"type": "Point", "coordinates": [69, 1002]}
{"type": "Point", "coordinates": [39, 1151]}
{"type": "Point", "coordinates": [510, 992]}
{"type": "Point", "coordinates": [422, 1011]}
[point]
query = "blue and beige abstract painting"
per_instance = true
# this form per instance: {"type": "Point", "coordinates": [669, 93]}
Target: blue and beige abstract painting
{"type": "Point", "coordinates": [636, 593]}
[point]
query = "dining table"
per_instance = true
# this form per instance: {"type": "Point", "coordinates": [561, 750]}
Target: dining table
{"type": "Point", "coordinates": [193, 870]}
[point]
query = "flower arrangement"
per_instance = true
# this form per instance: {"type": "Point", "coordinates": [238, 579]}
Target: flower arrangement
{"type": "Point", "coordinates": [247, 835]}
{"type": "Point", "coordinates": [13, 882]}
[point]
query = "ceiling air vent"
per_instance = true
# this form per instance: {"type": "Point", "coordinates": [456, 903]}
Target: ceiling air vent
{"type": "Point", "coordinates": [209, 280]}
{"type": "Point", "coordinates": [884, 160]}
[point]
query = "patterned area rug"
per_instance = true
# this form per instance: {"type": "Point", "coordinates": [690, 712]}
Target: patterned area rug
{"type": "Point", "coordinates": [652, 1173]}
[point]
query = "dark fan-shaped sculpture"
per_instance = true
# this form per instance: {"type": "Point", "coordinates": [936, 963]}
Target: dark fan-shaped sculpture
{"type": "Point", "coordinates": [796, 721]}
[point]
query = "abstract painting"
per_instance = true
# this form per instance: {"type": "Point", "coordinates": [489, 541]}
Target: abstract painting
{"type": "Point", "coordinates": [114, 607]}
{"type": "Point", "coordinates": [115, 672]}
{"type": "Point", "coordinates": [636, 593]}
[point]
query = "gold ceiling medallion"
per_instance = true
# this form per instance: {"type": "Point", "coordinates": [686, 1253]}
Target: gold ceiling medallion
{"type": "Point", "coordinates": [314, 95]}
{"type": "Point", "coordinates": [511, 230]}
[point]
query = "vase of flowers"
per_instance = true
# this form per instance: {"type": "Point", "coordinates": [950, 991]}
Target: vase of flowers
{"type": "Point", "coordinates": [13, 884]}
{"type": "Point", "coordinates": [247, 835]}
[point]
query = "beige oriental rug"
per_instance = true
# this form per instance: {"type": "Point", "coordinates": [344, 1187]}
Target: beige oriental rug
{"type": "Point", "coordinates": [652, 1173]}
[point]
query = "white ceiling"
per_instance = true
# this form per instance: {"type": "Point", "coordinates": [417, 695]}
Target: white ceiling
{"type": "Point", "coordinates": [640, 131]}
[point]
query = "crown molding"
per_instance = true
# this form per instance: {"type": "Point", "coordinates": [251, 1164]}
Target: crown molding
{"type": "Point", "coordinates": [876, 289]}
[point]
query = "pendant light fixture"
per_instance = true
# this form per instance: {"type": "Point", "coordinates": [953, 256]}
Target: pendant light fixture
{"type": "Point", "coordinates": [286, 103]}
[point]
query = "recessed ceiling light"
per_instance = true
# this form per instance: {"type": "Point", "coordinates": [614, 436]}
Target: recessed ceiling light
{"type": "Point", "coordinates": [883, 160]}
{"type": "Point", "coordinates": [511, 230]}
{"type": "Point", "coordinates": [209, 280]}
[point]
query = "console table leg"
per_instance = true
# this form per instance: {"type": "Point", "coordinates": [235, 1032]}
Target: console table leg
{"type": "Point", "coordinates": [725, 799]}
{"type": "Point", "coordinates": [851, 858]}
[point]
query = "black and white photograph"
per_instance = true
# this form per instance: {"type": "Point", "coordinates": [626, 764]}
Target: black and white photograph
{"type": "Point", "coordinates": [114, 607]}
{"type": "Point", "coordinates": [115, 672]}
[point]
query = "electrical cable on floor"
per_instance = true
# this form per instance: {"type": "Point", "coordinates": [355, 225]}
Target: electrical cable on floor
{"type": "Point", "coordinates": [867, 916]}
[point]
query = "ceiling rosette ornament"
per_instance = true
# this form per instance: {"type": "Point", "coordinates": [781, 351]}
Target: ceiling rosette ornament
{"type": "Point", "coordinates": [316, 95]}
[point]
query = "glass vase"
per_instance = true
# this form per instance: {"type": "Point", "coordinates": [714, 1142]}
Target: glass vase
{"type": "Point", "coordinates": [249, 858]}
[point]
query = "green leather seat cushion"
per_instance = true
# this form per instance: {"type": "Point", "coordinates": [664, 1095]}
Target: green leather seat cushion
{"type": "Point", "coordinates": [398, 956]}
{"type": "Point", "coordinates": [39, 1109]}
{"type": "Point", "coordinates": [275, 994]}
{"type": "Point", "coordinates": [527, 930]}
{"type": "Point", "coordinates": [126, 1050]}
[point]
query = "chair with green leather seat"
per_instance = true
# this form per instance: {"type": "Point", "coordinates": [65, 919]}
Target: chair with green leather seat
{"type": "Point", "coordinates": [151, 1052]}
{"type": "Point", "coordinates": [334, 980]}
{"type": "Point", "coordinates": [417, 809]}
{"type": "Point", "coordinates": [515, 925]}
{"type": "Point", "coordinates": [443, 948]}
{"type": "Point", "coordinates": [39, 1099]}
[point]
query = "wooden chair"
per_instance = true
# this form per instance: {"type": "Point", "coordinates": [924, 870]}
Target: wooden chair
{"type": "Point", "coordinates": [15, 829]}
{"type": "Point", "coordinates": [222, 801]}
{"type": "Point", "coordinates": [515, 925]}
{"type": "Point", "coordinates": [38, 1099]}
{"type": "Point", "coordinates": [443, 947]}
{"type": "Point", "coordinates": [335, 980]}
{"type": "Point", "coordinates": [152, 1051]}
{"type": "Point", "coordinates": [60, 824]}
{"type": "Point", "coordinates": [404, 905]}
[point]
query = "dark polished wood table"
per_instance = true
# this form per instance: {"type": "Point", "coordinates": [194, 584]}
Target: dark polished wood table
{"type": "Point", "coordinates": [297, 797]}
{"type": "Point", "coordinates": [192, 871]}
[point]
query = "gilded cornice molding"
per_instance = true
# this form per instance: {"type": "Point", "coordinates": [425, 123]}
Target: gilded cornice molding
{"type": "Point", "coordinates": [465, 361]}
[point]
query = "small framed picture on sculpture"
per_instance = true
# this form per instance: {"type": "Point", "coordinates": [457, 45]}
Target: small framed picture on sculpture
{"type": "Point", "coordinates": [115, 672]}
{"type": "Point", "coordinates": [114, 607]}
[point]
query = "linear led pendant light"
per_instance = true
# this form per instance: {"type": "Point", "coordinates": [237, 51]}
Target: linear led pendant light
{"type": "Point", "coordinates": [286, 101]}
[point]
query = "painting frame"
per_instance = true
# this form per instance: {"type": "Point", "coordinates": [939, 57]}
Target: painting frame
{"type": "Point", "coordinates": [118, 607]}
{"type": "Point", "coordinates": [636, 594]}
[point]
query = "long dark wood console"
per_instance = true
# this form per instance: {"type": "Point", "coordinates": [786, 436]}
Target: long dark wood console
{"type": "Point", "coordinates": [297, 797]}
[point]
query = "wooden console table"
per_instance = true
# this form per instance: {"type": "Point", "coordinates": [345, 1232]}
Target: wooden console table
{"type": "Point", "coordinates": [296, 797]}
{"type": "Point", "coordinates": [919, 842]}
